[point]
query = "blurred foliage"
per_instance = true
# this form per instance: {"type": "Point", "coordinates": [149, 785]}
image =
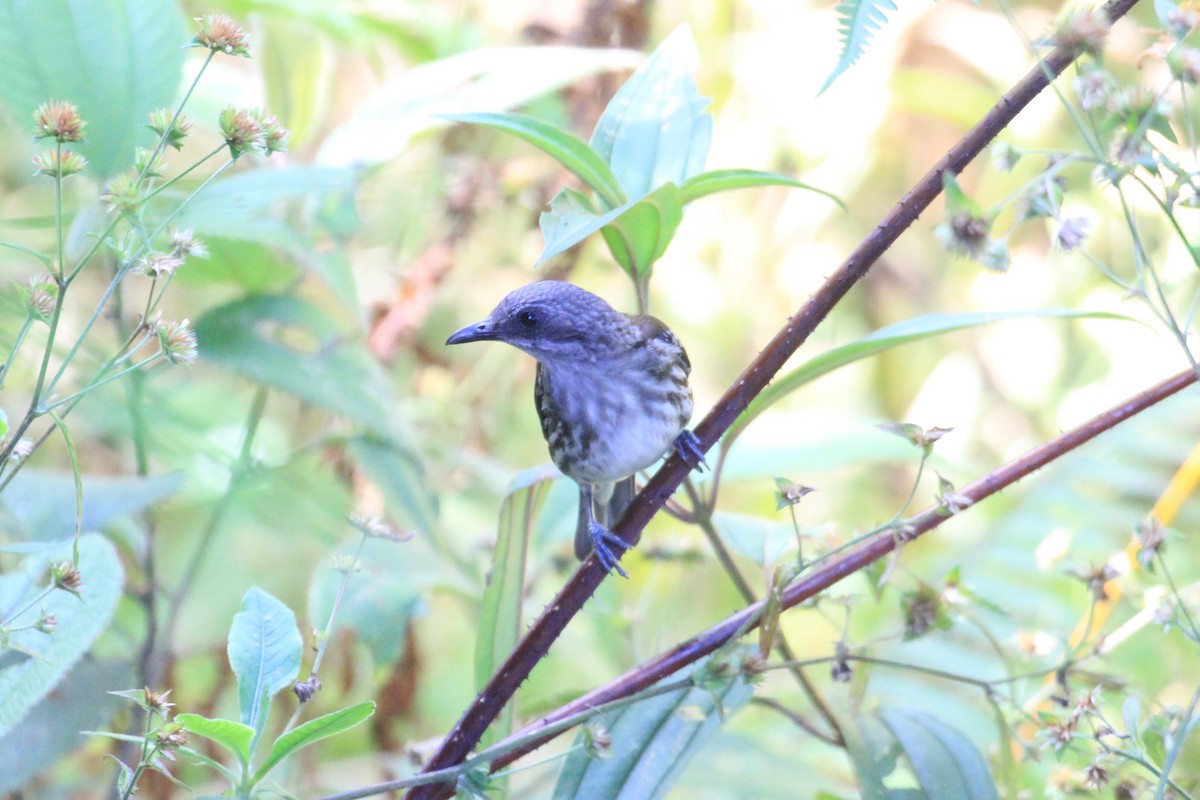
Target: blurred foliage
{"type": "Point", "coordinates": [337, 270]}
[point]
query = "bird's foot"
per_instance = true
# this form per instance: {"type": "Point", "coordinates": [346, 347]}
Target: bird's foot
{"type": "Point", "coordinates": [688, 447]}
{"type": "Point", "coordinates": [603, 543]}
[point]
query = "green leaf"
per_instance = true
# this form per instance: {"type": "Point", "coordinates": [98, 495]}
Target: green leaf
{"type": "Point", "coordinates": [500, 612]}
{"type": "Point", "coordinates": [293, 345]}
{"type": "Point", "coordinates": [25, 681]}
{"type": "Point", "coordinates": [722, 180]}
{"type": "Point", "coordinates": [233, 736]}
{"type": "Point", "coordinates": [756, 538]}
{"type": "Point", "coordinates": [904, 332]}
{"type": "Point", "coordinates": [117, 60]}
{"type": "Point", "coordinates": [42, 503]}
{"type": "Point", "coordinates": [655, 129]}
{"type": "Point", "coordinates": [484, 79]}
{"type": "Point", "coordinates": [314, 731]}
{"type": "Point", "coordinates": [572, 217]}
{"type": "Point", "coordinates": [398, 471]}
{"type": "Point", "coordinates": [560, 145]}
{"type": "Point", "coordinates": [867, 750]}
{"type": "Point", "coordinates": [264, 652]}
{"type": "Point", "coordinates": [51, 729]}
{"type": "Point", "coordinates": [947, 765]}
{"type": "Point", "coordinates": [264, 206]}
{"type": "Point", "coordinates": [652, 740]}
{"type": "Point", "coordinates": [860, 19]}
{"type": "Point", "coordinates": [640, 235]}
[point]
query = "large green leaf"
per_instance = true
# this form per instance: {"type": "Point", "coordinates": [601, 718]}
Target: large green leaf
{"type": "Point", "coordinates": [560, 145]}
{"type": "Point", "coordinates": [947, 764]}
{"type": "Point", "coordinates": [290, 344]}
{"type": "Point", "coordinates": [652, 741]}
{"type": "Point", "coordinates": [264, 653]}
{"type": "Point", "coordinates": [314, 731]}
{"type": "Point", "coordinates": [904, 332]}
{"type": "Point", "coordinates": [655, 129]}
{"type": "Point", "coordinates": [485, 79]}
{"type": "Point", "coordinates": [41, 504]}
{"type": "Point", "coordinates": [52, 728]}
{"type": "Point", "coordinates": [25, 680]}
{"type": "Point", "coordinates": [398, 471]}
{"type": "Point", "coordinates": [500, 614]}
{"type": "Point", "coordinates": [117, 60]}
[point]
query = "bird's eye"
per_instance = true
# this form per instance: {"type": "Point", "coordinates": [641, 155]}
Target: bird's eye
{"type": "Point", "coordinates": [528, 319]}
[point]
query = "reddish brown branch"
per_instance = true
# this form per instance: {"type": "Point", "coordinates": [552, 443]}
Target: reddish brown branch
{"type": "Point", "coordinates": [546, 629]}
{"type": "Point", "coordinates": [825, 576]}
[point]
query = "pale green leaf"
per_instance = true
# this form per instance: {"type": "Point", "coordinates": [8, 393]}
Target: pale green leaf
{"type": "Point", "coordinates": [314, 731]}
{"type": "Point", "coordinates": [290, 344]}
{"type": "Point", "coordinates": [567, 150]}
{"type": "Point", "coordinates": [655, 129]}
{"type": "Point", "coordinates": [264, 653]}
{"type": "Point", "coordinates": [723, 180]}
{"type": "Point", "coordinates": [117, 60]}
{"type": "Point", "coordinates": [500, 611]}
{"type": "Point", "coordinates": [571, 219]}
{"type": "Point", "coordinates": [640, 235]}
{"type": "Point", "coordinates": [947, 764]}
{"type": "Point", "coordinates": [234, 736]}
{"type": "Point", "coordinates": [904, 332]}
{"type": "Point", "coordinates": [25, 680]}
{"type": "Point", "coordinates": [652, 741]}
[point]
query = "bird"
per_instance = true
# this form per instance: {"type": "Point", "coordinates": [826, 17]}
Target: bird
{"type": "Point", "coordinates": [611, 391]}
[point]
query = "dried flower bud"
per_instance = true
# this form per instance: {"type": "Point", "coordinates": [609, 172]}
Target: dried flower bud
{"type": "Point", "coordinates": [47, 623]}
{"type": "Point", "coordinates": [788, 493]}
{"type": "Point", "coordinates": [58, 120]}
{"type": "Point", "coordinates": [171, 739]}
{"type": "Point", "coordinates": [178, 341]}
{"type": "Point", "coordinates": [123, 195]}
{"type": "Point", "coordinates": [1093, 88]}
{"type": "Point", "coordinates": [148, 163]}
{"type": "Point", "coordinates": [1095, 578]}
{"type": "Point", "coordinates": [307, 690]}
{"type": "Point", "coordinates": [377, 528]}
{"type": "Point", "coordinates": [159, 265]}
{"type": "Point", "coordinates": [1072, 232]}
{"type": "Point", "coordinates": [66, 577]}
{"type": "Point", "coordinates": [42, 294]}
{"type": "Point", "coordinates": [275, 136]}
{"type": "Point", "coordinates": [1059, 734]}
{"type": "Point", "coordinates": [242, 131]}
{"type": "Point", "coordinates": [221, 34]}
{"type": "Point", "coordinates": [161, 123]}
{"type": "Point", "coordinates": [59, 164]}
{"type": "Point", "coordinates": [1083, 31]}
{"type": "Point", "coordinates": [923, 611]}
{"type": "Point", "coordinates": [949, 499]}
{"type": "Point", "coordinates": [157, 701]}
{"type": "Point", "coordinates": [184, 244]}
{"type": "Point", "coordinates": [841, 671]}
{"type": "Point", "coordinates": [1151, 536]}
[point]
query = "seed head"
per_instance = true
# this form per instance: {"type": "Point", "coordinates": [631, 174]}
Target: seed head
{"type": "Point", "coordinates": [123, 195]}
{"type": "Point", "coordinates": [58, 120]}
{"type": "Point", "coordinates": [59, 164]}
{"type": "Point", "coordinates": [221, 34]}
{"type": "Point", "coordinates": [66, 577]}
{"type": "Point", "coordinates": [1083, 31]}
{"type": "Point", "coordinates": [160, 123]}
{"type": "Point", "coordinates": [178, 341]}
{"type": "Point", "coordinates": [42, 294]}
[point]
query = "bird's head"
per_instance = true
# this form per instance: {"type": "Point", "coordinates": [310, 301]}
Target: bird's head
{"type": "Point", "coordinates": [553, 321]}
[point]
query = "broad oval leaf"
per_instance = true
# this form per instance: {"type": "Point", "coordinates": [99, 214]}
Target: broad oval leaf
{"type": "Point", "coordinates": [652, 741]}
{"type": "Point", "coordinates": [234, 736]}
{"type": "Point", "coordinates": [947, 764]}
{"type": "Point", "coordinates": [909, 330]}
{"type": "Point", "coordinates": [264, 653]}
{"type": "Point", "coordinates": [571, 219]}
{"type": "Point", "coordinates": [655, 128]}
{"type": "Point", "coordinates": [44, 659]}
{"type": "Point", "coordinates": [560, 145]}
{"type": "Point", "coordinates": [117, 60]}
{"type": "Point", "coordinates": [314, 731]}
{"type": "Point", "coordinates": [290, 344]}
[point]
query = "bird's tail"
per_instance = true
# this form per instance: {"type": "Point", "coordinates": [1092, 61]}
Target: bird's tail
{"type": "Point", "coordinates": [608, 504]}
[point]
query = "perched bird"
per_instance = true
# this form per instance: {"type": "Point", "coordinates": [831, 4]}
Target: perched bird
{"type": "Point", "coordinates": [611, 391]}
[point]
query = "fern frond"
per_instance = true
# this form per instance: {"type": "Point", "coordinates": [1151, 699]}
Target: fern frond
{"type": "Point", "coordinates": [859, 19]}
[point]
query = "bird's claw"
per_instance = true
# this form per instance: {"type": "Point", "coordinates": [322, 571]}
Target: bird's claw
{"type": "Point", "coordinates": [603, 542]}
{"type": "Point", "coordinates": [688, 447]}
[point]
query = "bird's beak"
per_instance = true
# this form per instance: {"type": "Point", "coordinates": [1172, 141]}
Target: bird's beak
{"type": "Point", "coordinates": [477, 332]}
